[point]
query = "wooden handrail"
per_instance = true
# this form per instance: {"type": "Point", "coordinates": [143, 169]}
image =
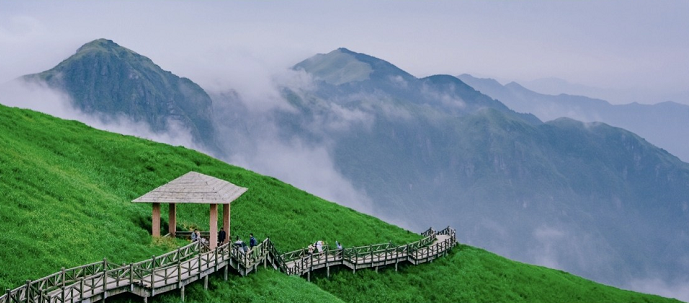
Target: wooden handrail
{"type": "Point", "coordinates": [84, 281]}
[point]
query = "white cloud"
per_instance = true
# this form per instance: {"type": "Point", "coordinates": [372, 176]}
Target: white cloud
{"type": "Point", "coordinates": [307, 167]}
{"type": "Point", "coordinates": [41, 98]}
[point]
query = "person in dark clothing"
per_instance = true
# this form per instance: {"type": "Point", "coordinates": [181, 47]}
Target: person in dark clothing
{"type": "Point", "coordinates": [252, 241]}
{"type": "Point", "coordinates": [221, 236]}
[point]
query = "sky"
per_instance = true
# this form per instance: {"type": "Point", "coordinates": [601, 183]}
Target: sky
{"type": "Point", "coordinates": [622, 51]}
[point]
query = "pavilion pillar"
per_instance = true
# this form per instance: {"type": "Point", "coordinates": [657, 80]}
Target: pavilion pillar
{"type": "Point", "coordinates": [226, 221]}
{"type": "Point", "coordinates": [155, 221]}
{"type": "Point", "coordinates": [214, 226]}
{"type": "Point", "coordinates": [172, 218]}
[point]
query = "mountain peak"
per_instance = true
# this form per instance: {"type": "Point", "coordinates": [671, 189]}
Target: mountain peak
{"type": "Point", "coordinates": [342, 66]}
{"type": "Point", "coordinates": [101, 43]}
{"type": "Point", "coordinates": [105, 78]}
{"type": "Point", "coordinates": [110, 48]}
{"type": "Point", "coordinates": [337, 67]}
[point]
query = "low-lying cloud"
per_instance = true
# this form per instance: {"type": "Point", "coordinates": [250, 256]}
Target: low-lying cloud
{"type": "Point", "coordinates": [39, 97]}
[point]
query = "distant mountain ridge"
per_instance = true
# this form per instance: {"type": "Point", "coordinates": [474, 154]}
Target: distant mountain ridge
{"type": "Point", "coordinates": [664, 124]}
{"type": "Point", "coordinates": [344, 73]}
{"type": "Point", "coordinates": [437, 149]}
{"type": "Point", "coordinates": [107, 79]}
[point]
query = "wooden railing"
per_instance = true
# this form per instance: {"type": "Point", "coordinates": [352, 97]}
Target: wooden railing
{"type": "Point", "coordinates": [195, 261]}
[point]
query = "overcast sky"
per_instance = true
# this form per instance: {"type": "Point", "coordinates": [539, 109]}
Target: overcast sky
{"type": "Point", "coordinates": [637, 47]}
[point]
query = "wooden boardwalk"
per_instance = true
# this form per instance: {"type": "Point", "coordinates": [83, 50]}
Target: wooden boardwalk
{"type": "Point", "coordinates": [176, 269]}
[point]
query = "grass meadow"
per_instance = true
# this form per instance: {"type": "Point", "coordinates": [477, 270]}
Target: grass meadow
{"type": "Point", "coordinates": [66, 192]}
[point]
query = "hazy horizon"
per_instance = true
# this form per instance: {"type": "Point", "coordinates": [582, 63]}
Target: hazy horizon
{"type": "Point", "coordinates": [629, 51]}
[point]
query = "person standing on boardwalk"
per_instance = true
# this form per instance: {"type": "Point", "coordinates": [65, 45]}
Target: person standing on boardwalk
{"type": "Point", "coordinates": [241, 245]}
{"type": "Point", "coordinates": [221, 236]}
{"type": "Point", "coordinates": [252, 241]}
{"type": "Point", "coordinates": [195, 235]}
{"type": "Point", "coordinates": [319, 246]}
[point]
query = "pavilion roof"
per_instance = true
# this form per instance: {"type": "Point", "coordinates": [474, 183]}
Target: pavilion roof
{"type": "Point", "coordinates": [194, 187]}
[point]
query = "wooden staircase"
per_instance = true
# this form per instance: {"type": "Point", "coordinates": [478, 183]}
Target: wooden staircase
{"type": "Point", "coordinates": [176, 269]}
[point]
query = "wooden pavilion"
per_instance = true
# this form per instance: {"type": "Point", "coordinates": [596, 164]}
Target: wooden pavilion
{"type": "Point", "coordinates": [197, 188]}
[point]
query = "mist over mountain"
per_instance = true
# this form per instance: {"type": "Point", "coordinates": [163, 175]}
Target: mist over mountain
{"type": "Point", "coordinates": [589, 198]}
{"type": "Point", "coordinates": [108, 80]}
{"type": "Point", "coordinates": [664, 124]}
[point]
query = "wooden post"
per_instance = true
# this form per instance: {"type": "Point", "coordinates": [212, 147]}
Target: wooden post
{"type": "Point", "coordinates": [105, 276]}
{"type": "Point", "coordinates": [386, 256]}
{"type": "Point", "coordinates": [172, 218]}
{"type": "Point", "coordinates": [214, 226]}
{"type": "Point", "coordinates": [215, 268]}
{"type": "Point", "coordinates": [327, 265]}
{"type": "Point", "coordinates": [63, 277]}
{"type": "Point", "coordinates": [310, 268]}
{"type": "Point", "coordinates": [81, 289]}
{"type": "Point", "coordinates": [370, 247]}
{"type": "Point", "coordinates": [199, 245]}
{"type": "Point", "coordinates": [226, 221]}
{"type": "Point", "coordinates": [356, 259]}
{"type": "Point", "coordinates": [182, 292]}
{"type": "Point", "coordinates": [153, 269]}
{"type": "Point", "coordinates": [179, 272]}
{"type": "Point", "coordinates": [131, 277]}
{"type": "Point", "coordinates": [205, 282]}
{"type": "Point", "coordinates": [27, 294]}
{"type": "Point", "coordinates": [155, 220]}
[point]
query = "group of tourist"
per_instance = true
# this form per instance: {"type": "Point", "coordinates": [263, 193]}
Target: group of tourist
{"type": "Point", "coordinates": [319, 246]}
{"type": "Point", "coordinates": [239, 243]}
{"type": "Point", "coordinates": [196, 236]}
{"type": "Point", "coordinates": [222, 235]}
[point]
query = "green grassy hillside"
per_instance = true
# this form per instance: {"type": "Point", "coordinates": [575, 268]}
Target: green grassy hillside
{"type": "Point", "coordinates": [66, 191]}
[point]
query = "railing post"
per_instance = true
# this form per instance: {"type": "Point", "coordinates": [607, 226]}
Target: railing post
{"type": "Point", "coordinates": [370, 247]}
{"type": "Point", "coordinates": [131, 277]}
{"type": "Point", "coordinates": [216, 259]}
{"type": "Point", "coordinates": [153, 269]}
{"type": "Point", "coordinates": [386, 255]}
{"type": "Point", "coordinates": [199, 261]}
{"type": "Point", "coordinates": [81, 289]}
{"type": "Point", "coordinates": [63, 277]}
{"type": "Point", "coordinates": [63, 294]}
{"type": "Point", "coordinates": [356, 258]}
{"type": "Point", "coordinates": [105, 277]}
{"type": "Point", "coordinates": [27, 293]}
{"type": "Point", "coordinates": [327, 264]}
{"type": "Point", "coordinates": [179, 269]}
